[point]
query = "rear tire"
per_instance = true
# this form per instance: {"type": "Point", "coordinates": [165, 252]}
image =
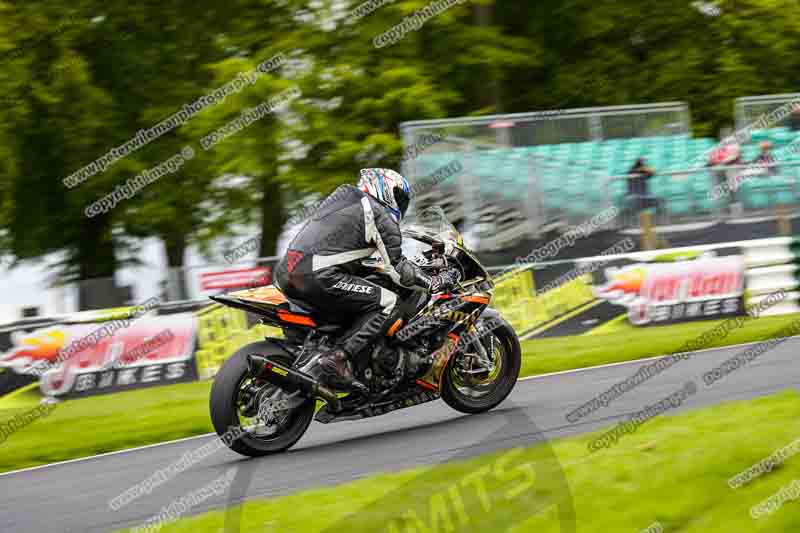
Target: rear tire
{"type": "Point", "coordinates": [223, 404]}
{"type": "Point", "coordinates": [508, 343]}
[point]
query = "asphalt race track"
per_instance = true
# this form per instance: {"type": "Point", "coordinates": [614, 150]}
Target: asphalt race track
{"type": "Point", "coordinates": [74, 496]}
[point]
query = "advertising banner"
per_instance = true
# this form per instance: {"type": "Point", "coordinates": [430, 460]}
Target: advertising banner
{"type": "Point", "coordinates": [704, 287]}
{"type": "Point", "coordinates": [238, 278]}
{"type": "Point", "coordinates": [149, 350]}
{"type": "Point", "coordinates": [576, 297]}
{"type": "Point", "coordinates": [84, 354]}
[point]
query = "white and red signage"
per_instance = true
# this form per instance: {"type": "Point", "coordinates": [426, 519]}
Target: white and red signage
{"type": "Point", "coordinates": [239, 278]}
{"type": "Point", "coordinates": [151, 350]}
{"type": "Point", "coordinates": [662, 292]}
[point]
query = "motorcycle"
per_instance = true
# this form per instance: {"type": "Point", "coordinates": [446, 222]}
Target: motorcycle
{"type": "Point", "coordinates": [449, 345]}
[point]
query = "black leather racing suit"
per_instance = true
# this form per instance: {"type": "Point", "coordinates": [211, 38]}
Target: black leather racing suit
{"type": "Point", "coordinates": [322, 266]}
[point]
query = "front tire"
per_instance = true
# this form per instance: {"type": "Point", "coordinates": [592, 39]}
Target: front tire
{"type": "Point", "coordinates": [225, 404]}
{"type": "Point", "coordinates": [472, 395]}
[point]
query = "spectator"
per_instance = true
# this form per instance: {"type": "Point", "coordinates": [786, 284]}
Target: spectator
{"type": "Point", "coordinates": [765, 158]}
{"type": "Point", "coordinates": [639, 196]}
{"type": "Point", "coordinates": [728, 153]}
{"type": "Point", "coordinates": [727, 179]}
{"type": "Point", "coordinates": [794, 118]}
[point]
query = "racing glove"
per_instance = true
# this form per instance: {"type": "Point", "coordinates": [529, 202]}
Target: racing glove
{"type": "Point", "coordinates": [445, 280]}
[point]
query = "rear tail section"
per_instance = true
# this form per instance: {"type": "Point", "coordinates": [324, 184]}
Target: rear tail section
{"type": "Point", "coordinates": [270, 304]}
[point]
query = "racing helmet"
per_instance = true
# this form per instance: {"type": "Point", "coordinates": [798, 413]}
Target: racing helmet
{"type": "Point", "coordinates": [388, 187]}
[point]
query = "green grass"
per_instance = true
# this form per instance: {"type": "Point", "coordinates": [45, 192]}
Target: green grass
{"type": "Point", "coordinates": [81, 428]}
{"type": "Point", "coordinates": [673, 470]}
{"type": "Point", "coordinates": [624, 342]}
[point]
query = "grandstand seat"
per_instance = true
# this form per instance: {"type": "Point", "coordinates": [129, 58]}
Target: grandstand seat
{"type": "Point", "coordinates": [759, 135]}
{"type": "Point", "coordinates": [781, 136]}
{"type": "Point", "coordinates": [571, 177]}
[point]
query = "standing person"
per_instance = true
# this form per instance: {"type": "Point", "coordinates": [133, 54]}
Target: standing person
{"type": "Point", "coordinates": [764, 158]}
{"type": "Point", "coordinates": [794, 118]}
{"type": "Point", "coordinates": [726, 179]}
{"type": "Point", "coordinates": [639, 196]}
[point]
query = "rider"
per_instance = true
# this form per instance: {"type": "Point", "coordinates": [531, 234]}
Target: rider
{"type": "Point", "coordinates": [323, 265]}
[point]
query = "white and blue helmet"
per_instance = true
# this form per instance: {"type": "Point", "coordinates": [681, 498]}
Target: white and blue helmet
{"type": "Point", "coordinates": [388, 187]}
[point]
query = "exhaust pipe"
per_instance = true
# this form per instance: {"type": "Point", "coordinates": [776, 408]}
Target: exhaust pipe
{"type": "Point", "coordinates": [291, 380]}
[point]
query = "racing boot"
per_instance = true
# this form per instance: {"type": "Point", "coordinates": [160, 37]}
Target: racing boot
{"type": "Point", "coordinates": [336, 371]}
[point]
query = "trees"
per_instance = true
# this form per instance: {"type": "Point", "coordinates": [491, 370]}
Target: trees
{"type": "Point", "coordinates": [59, 120]}
{"type": "Point", "coordinates": [79, 78]}
{"type": "Point", "coordinates": [80, 91]}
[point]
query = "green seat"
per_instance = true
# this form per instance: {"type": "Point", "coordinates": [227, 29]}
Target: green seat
{"type": "Point", "coordinates": [677, 206]}
{"type": "Point", "coordinates": [759, 135]}
{"type": "Point", "coordinates": [753, 194]}
{"type": "Point", "coordinates": [783, 136]}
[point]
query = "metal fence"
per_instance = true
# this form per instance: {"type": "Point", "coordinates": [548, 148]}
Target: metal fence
{"type": "Point", "coordinates": [507, 190]}
{"type": "Point", "coordinates": [765, 111]}
{"type": "Point", "coordinates": [513, 188]}
{"type": "Point", "coordinates": [559, 126]}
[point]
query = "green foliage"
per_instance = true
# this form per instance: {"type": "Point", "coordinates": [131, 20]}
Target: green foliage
{"type": "Point", "coordinates": [77, 79]}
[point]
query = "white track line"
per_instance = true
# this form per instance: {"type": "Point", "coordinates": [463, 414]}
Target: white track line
{"type": "Point", "coordinates": [636, 361]}
{"type": "Point", "coordinates": [528, 378]}
{"type": "Point", "coordinates": [107, 454]}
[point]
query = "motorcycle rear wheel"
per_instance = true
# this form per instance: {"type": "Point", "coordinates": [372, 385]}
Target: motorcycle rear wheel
{"type": "Point", "coordinates": [226, 405]}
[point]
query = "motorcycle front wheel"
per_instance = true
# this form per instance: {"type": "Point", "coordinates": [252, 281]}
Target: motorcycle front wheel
{"type": "Point", "coordinates": [471, 384]}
